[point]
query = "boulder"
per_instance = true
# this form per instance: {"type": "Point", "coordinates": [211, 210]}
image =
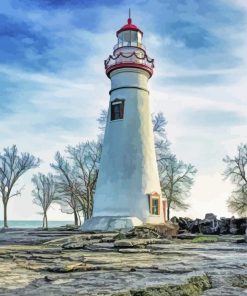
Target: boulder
{"type": "Point", "coordinates": [210, 216]}
{"type": "Point", "coordinates": [183, 223]}
{"type": "Point", "coordinates": [237, 225]}
{"type": "Point", "coordinates": [224, 225]}
{"type": "Point", "coordinates": [209, 225]}
{"type": "Point", "coordinates": [194, 226]}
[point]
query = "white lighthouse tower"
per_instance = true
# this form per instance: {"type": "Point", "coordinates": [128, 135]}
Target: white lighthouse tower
{"type": "Point", "coordinates": [128, 188]}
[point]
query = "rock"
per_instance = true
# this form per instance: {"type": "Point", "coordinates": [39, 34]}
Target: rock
{"type": "Point", "coordinates": [100, 247]}
{"type": "Point", "coordinates": [194, 226]}
{"type": "Point", "coordinates": [48, 279]}
{"type": "Point", "coordinates": [80, 244]}
{"type": "Point", "coordinates": [240, 281]}
{"type": "Point", "coordinates": [195, 286]}
{"type": "Point", "coordinates": [240, 241]}
{"type": "Point", "coordinates": [167, 229]}
{"type": "Point", "coordinates": [163, 241]}
{"type": "Point", "coordinates": [123, 243]}
{"type": "Point", "coordinates": [238, 225]}
{"type": "Point", "coordinates": [75, 246]}
{"type": "Point", "coordinates": [186, 236]}
{"type": "Point", "coordinates": [102, 236]}
{"type": "Point", "coordinates": [183, 223]}
{"type": "Point", "coordinates": [45, 251]}
{"type": "Point", "coordinates": [210, 216]}
{"type": "Point", "coordinates": [224, 225]}
{"type": "Point", "coordinates": [73, 267]}
{"type": "Point", "coordinates": [133, 250]}
{"type": "Point", "coordinates": [142, 232]}
{"type": "Point", "coordinates": [108, 240]}
{"type": "Point", "coordinates": [209, 225]}
{"type": "Point", "coordinates": [156, 247]}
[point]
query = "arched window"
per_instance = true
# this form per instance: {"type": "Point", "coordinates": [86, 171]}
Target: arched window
{"type": "Point", "coordinates": [117, 109]}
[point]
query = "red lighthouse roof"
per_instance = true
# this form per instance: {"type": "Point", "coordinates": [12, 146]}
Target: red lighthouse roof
{"type": "Point", "coordinates": [129, 26]}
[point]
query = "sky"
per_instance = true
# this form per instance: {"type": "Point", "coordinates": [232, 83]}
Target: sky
{"type": "Point", "coordinates": [53, 85]}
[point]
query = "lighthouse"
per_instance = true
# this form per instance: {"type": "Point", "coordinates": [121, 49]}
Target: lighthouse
{"type": "Point", "coordinates": [128, 189]}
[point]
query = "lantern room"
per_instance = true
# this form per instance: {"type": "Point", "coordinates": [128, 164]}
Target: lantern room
{"type": "Point", "coordinates": [129, 35]}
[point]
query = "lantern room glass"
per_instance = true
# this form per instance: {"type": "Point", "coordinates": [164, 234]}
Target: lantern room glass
{"type": "Point", "coordinates": [129, 38]}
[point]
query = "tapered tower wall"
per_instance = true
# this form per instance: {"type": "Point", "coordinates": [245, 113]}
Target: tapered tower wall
{"type": "Point", "coordinates": [128, 170]}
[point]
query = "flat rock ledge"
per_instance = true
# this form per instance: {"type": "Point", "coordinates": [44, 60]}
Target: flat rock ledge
{"type": "Point", "coordinates": [137, 263]}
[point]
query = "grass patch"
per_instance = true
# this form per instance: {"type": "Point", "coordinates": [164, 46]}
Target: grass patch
{"type": "Point", "coordinates": [205, 239]}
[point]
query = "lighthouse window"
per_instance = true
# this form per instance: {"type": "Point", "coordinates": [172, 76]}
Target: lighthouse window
{"type": "Point", "coordinates": [154, 203]}
{"type": "Point", "coordinates": [117, 109]}
{"type": "Point", "coordinates": [134, 38]}
{"type": "Point", "coordinates": [127, 38]}
{"type": "Point", "coordinates": [155, 206]}
{"type": "Point", "coordinates": [120, 39]}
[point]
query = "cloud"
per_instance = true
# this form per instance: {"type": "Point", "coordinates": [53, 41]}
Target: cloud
{"type": "Point", "coordinates": [213, 118]}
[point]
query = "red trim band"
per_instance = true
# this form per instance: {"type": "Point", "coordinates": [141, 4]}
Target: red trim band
{"type": "Point", "coordinates": [129, 65]}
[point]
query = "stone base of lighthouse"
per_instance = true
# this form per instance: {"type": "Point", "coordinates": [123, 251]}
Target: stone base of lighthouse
{"type": "Point", "coordinates": [111, 223]}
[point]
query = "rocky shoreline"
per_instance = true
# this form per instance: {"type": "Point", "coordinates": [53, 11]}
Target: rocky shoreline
{"type": "Point", "coordinates": [139, 262]}
{"type": "Point", "coordinates": [211, 225]}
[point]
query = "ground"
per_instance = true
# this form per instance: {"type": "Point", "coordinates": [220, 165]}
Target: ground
{"type": "Point", "coordinates": [71, 263]}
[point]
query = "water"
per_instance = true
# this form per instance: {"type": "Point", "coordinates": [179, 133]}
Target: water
{"type": "Point", "coordinates": [33, 223]}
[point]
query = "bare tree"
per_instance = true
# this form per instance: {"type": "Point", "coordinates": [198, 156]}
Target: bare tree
{"type": "Point", "coordinates": [68, 187]}
{"type": "Point", "coordinates": [102, 120]}
{"type": "Point", "coordinates": [162, 145]}
{"type": "Point", "coordinates": [86, 157]}
{"type": "Point", "coordinates": [12, 167]}
{"type": "Point", "coordinates": [237, 202]}
{"type": "Point", "coordinates": [176, 179]}
{"type": "Point", "coordinates": [236, 171]}
{"type": "Point", "coordinates": [159, 124]}
{"type": "Point", "coordinates": [45, 193]}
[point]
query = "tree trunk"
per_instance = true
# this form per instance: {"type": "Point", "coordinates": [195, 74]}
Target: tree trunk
{"type": "Point", "coordinates": [5, 224]}
{"type": "Point", "coordinates": [168, 212]}
{"type": "Point", "coordinates": [75, 218]}
{"type": "Point", "coordinates": [45, 221]}
{"type": "Point", "coordinates": [88, 203]}
{"type": "Point", "coordinates": [79, 217]}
